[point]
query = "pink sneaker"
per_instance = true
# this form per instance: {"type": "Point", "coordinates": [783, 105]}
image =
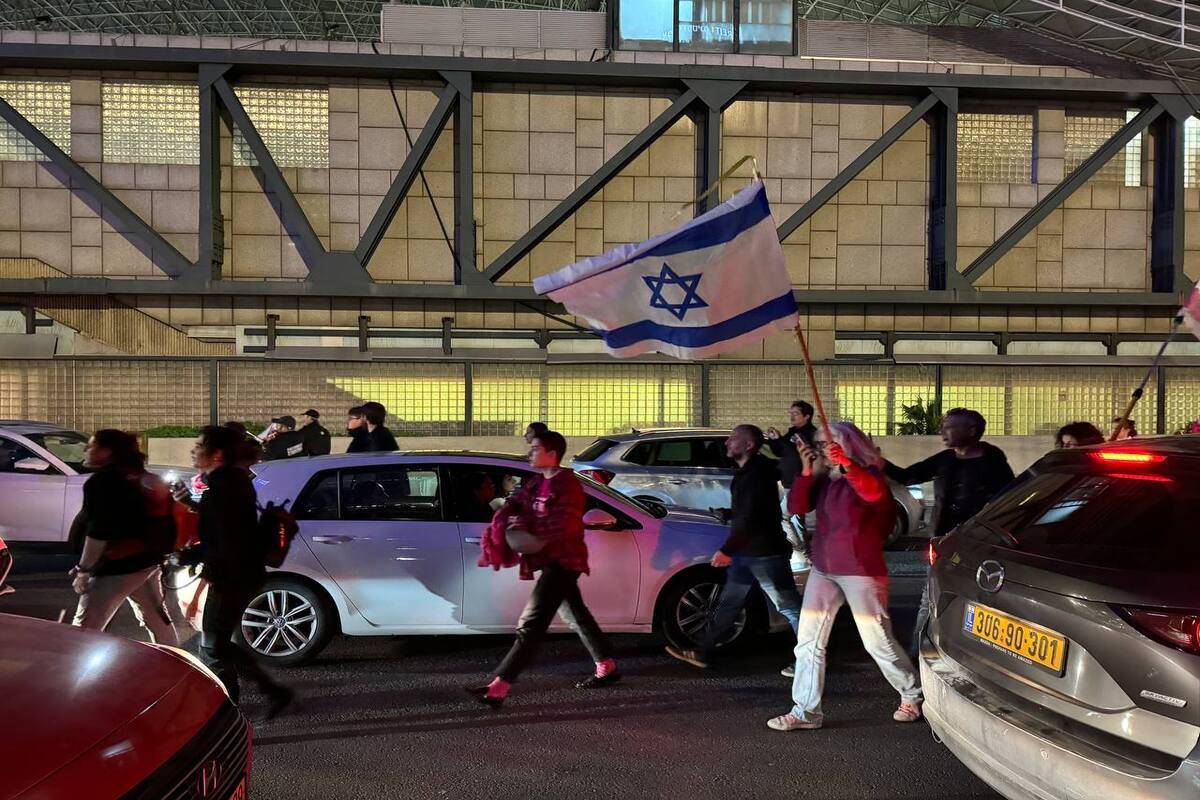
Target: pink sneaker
{"type": "Point", "coordinates": [908, 712]}
{"type": "Point", "coordinates": [790, 722]}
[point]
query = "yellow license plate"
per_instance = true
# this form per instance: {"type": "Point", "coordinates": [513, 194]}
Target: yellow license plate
{"type": "Point", "coordinates": [1023, 640]}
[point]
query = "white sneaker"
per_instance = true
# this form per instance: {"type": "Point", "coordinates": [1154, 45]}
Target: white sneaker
{"type": "Point", "coordinates": [800, 562]}
{"type": "Point", "coordinates": [908, 712]}
{"type": "Point", "coordinates": [789, 671]}
{"type": "Point", "coordinates": [790, 722]}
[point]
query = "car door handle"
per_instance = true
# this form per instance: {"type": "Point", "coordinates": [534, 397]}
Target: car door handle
{"type": "Point", "coordinates": [473, 540]}
{"type": "Point", "coordinates": [332, 539]}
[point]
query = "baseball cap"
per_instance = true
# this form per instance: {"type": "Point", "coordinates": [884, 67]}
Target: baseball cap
{"type": "Point", "coordinates": [287, 420]}
{"type": "Point", "coordinates": [312, 412]}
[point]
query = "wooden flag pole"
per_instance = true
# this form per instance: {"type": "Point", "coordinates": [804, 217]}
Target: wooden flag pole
{"type": "Point", "coordinates": [1123, 422]}
{"type": "Point", "coordinates": [717, 183]}
{"type": "Point", "coordinates": [812, 381]}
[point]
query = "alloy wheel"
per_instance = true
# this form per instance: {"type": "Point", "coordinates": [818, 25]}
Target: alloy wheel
{"type": "Point", "coordinates": [696, 609]}
{"type": "Point", "coordinates": [279, 622]}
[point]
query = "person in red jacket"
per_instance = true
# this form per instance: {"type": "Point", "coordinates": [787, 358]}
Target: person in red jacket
{"type": "Point", "coordinates": [549, 506]}
{"type": "Point", "coordinates": [843, 481]}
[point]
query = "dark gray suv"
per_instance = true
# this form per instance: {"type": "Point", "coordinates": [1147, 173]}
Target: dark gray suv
{"type": "Point", "coordinates": [1063, 656]}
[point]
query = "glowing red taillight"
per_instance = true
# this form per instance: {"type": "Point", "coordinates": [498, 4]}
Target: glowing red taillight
{"type": "Point", "coordinates": [1180, 629]}
{"type": "Point", "coordinates": [598, 475]}
{"type": "Point", "coordinates": [1126, 457]}
{"type": "Point", "coordinates": [931, 553]}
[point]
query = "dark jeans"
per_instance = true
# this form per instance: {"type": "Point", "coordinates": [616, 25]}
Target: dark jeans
{"type": "Point", "coordinates": [773, 574]}
{"type": "Point", "coordinates": [556, 585]}
{"type": "Point", "coordinates": [223, 608]}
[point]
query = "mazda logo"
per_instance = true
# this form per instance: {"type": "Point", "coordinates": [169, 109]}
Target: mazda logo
{"type": "Point", "coordinates": [209, 780]}
{"type": "Point", "coordinates": [990, 576]}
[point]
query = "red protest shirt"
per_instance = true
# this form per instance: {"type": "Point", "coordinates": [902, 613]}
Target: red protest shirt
{"type": "Point", "coordinates": [855, 514]}
{"type": "Point", "coordinates": [552, 509]}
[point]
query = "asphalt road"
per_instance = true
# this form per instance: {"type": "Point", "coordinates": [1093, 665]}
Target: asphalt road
{"type": "Point", "coordinates": [387, 717]}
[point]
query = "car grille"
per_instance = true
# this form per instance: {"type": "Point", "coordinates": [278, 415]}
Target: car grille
{"type": "Point", "coordinates": [209, 767]}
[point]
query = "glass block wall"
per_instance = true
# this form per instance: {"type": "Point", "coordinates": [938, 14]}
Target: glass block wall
{"type": "Point", "coordinates": [995, 148]}
{"type": "Point", "coordinates": [1085, 134]}
{"type": "Point", "coordinates": [47, 105]}
{"type": "Point", "coordinates": [293, 123]}
{"type": "Point", "coordinates": [146, 122]}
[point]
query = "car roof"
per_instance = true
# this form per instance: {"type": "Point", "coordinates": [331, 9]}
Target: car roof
{"type": "Point", "coordinates": [1188, 445]}
{"type": "Point", "coordinates": [399, 456]}
{"type": "Point", "coordinates": [23, 426]}
{"type": "Point", "coordinates": [664, 433]}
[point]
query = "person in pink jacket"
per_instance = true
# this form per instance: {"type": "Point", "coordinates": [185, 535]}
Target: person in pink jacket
{"type": "Point", "coordinates": [843, 481]}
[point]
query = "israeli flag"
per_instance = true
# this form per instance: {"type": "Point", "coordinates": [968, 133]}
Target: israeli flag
{"type": "Point", "coordinates": [715, 284]}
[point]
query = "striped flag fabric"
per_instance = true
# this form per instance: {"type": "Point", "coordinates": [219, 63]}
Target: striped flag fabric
{"type": "Point", "coordinates": [717, 283]}
{"type": "Point", "coordinates": [1191, 311]}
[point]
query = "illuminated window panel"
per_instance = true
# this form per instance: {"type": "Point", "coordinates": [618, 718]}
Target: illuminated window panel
{"type": "Point", "coordinates": [995, 148]}
{"type": "Point", "coordinates": [150, 123]}
{"type": "Point", "coordinates": [506, 398]}
{"type": "Point", "coordinates": [47, 106]}
{"type": "Point", "coordinates": [1084, 135]}
{"type": "Point", "coordinates": [293, 123]}
{"type": "Point", "coordinates": [1182, 398]}
{"type": "Point", "coordinates": [591, 400]}
{"type": "Point", "coordinates": [1191, 152]}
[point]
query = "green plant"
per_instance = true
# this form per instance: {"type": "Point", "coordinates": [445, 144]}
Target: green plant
{"type": "Point", "coordinates": [185, 431]}
{"type": "Point", "coordinates": [920, 418]}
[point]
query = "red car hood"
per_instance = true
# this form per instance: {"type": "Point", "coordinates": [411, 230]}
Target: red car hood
{"type": "Point", "coordinates": [65, 690]}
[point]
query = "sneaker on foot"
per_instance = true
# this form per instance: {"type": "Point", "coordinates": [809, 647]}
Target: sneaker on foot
{"type": "Point", "coordinates": [790, 722]}
{"type": "Point", "coordinates": [789, 671]}
{"type": "Point", "coordinates": [481, 693]}
{"type": "Point", "coordinates": [908, 712]}
{"type": "Point", "coordinates": [693, 657]}
{"type": "Point", "coordinates": [597, 682]}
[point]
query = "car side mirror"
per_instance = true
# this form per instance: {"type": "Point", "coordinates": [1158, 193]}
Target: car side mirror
{"type": "Point", "coordinates": [599, 520]}
{"type": "Point", "coordinates": [32, 465]}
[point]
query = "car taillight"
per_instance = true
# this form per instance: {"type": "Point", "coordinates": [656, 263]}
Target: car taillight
{"type": "Point", "coordinates": [1127, 457]}
{"type": "Point", "coordinates": [1180, 629]}
{"type": "Point", "coordinates": [931, 553]}
{"type": "Point", "coordinates": [599, 475]}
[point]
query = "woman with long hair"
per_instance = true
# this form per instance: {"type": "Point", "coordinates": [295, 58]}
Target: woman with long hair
{"type": "Point", "coordinates": [127, 529]}
{"type": "Point", "coordinates": [843, 481]}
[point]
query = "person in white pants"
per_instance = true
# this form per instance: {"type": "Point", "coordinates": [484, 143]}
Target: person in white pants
{"type": "Point", "coordinates": [843, 481]}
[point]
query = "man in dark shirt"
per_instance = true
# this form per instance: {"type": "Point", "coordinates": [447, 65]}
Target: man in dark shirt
{"type": "Point", "coordinates": [379, 438]}
{"type": "Point", "coordinates": [316, 437]}
{"type": "Point", "coordinates": [783, 445]}
{"type": "Point", "coordinates": [356, 429]}
{"type": "Point", "coordinates": [233, 555]}
{"type": "Point", "coordinates": [284, 441]}
{"type": "Point", "coordinates": [756, 551]}
{"type": "Point", "coordinates": [966, 475]}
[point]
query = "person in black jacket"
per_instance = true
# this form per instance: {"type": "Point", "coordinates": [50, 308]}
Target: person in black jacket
{"type": "Point", "coordinates": [283, 440]}
{"type": "Point", "coordinates": [756, 551]}
{"type": "Point", "coordinates": [783, 445]}
{"type": "Point", "coordinates": [966, 475]}
{"type": "Point", "coordinates": [233, 554]}
{"type": "Point", "coordinates": [316, 437]}
{"type": "Point", "coordinates": [379, 438]}
{"type": "Point", "coordinates": [356, 429]}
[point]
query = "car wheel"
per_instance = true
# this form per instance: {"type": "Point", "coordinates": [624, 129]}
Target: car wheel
{"type": "Point", "coordinates": [900, 526]}
{"type": "Point", "coordinates": [287, 623]}
{"type": "Point", "coordinates": [688, 608]}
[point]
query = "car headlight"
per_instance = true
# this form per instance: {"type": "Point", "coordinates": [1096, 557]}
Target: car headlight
{"type": "Point", "coordinates": [195, 662]}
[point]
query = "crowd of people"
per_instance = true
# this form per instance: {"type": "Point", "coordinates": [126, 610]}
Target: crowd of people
{"type": "Point", "coordinates": [132, 524]}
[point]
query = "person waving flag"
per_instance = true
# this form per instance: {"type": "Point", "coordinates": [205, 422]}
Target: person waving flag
{"type": "Point", "coordinates": [1190, 313]}
{"type": "Point", "coordinates": [715, 284]}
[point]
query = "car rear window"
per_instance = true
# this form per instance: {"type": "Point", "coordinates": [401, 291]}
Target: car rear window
{"type": "Point", "coordinates": [1144, 522]}
{"type": "Point", "coordinates": [595, 450]}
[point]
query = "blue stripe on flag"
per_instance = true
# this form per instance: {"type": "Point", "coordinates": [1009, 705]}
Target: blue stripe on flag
{"type": "Point", "coordinates": [719, 230]}
{"type": "Point", "coordinates": [683, 336]}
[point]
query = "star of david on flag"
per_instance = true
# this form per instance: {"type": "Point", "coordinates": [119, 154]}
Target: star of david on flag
{"type": "Point", "coordinates": [717, 283]}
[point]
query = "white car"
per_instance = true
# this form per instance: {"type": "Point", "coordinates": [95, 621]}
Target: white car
{"type": "Point", "coordinates": [41, 481]}
{"type": "Point", "coordinates": [389, 545]}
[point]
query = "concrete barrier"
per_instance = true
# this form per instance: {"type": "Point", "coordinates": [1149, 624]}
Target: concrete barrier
{"type": "Point", "coordinates": [903, 450]}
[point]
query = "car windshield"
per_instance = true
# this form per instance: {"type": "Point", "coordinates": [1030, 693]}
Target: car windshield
{"type": "Point", "coordinates": [651, 509]}
{"type": "Point", "coordinates": [1131, 521]}
{"type": "Point", "coordinates": [66, 446]}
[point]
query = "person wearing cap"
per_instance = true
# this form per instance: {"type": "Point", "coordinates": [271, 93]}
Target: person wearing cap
{"type": "Point", "coordinates": [283, 440]}
{"type": "Point", "coordinates": [316, 438]}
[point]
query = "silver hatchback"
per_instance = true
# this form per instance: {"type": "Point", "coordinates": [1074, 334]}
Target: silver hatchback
{"type": "Point", "coordinates": [688, 467]}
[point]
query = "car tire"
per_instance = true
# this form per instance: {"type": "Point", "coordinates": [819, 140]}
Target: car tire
{"type": "Point", "coordinates": [688, 604]}
{"type": "Point", "coordinates": [287, 623]}
{"type": "Point", "coordinates": [900, 526]}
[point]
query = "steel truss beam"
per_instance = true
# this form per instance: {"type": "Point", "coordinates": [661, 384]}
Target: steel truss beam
{"type": "Point", "coordinates": [1167, 216]}
{"type": "Point", "coordinates": [1082, 174]}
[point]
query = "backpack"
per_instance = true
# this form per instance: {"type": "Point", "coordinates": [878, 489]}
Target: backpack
{"type": "Point", "coordinates": [276, 527]}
